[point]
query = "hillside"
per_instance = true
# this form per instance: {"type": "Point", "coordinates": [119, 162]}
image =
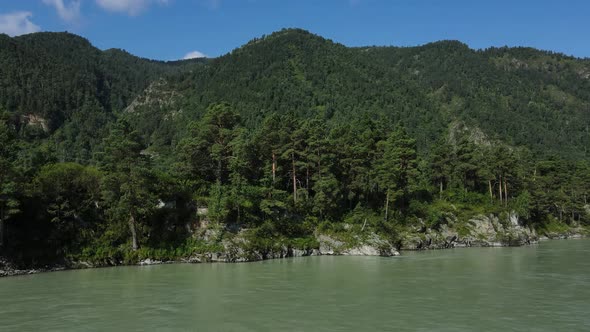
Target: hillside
{"type": "Point", "coordinates": [59, 82]}
{"type": "Point", "coordinates": [522, 97]}
{"type": "Point", "coordinates": [286, 142]}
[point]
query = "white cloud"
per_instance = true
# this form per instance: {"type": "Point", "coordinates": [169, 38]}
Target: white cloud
{"type": "Point", "coordinates": [17, 23]}
{"type": "Point", "coordinates": [194, 55]}
{"type": "Point", "coordinates": [130, 7]}
{"type": "Point", "coordinates": [68, 12]}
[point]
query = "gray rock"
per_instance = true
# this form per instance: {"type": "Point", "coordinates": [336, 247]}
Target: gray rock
{"type": "Point", "coordinates": [192, 260]}
{"type": "Point", "coordinates": [329, 246]}
{"type": "Point", "coordinates": [373, 245]}
{"type": "Point", "coordinates": [293, 252]}
{"type": "Point", "coordinates": [364, 250]}
{"type": "Point", "coordinates": [149, 261]}
{"type": "Point", "coordinates": [482, 230]}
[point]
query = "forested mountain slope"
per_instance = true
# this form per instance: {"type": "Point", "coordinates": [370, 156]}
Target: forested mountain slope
{"type": "Point", "coordinates": [522, 97]}
{"type": "Point", "coordinates": [110, 158]}
{"type": "Point", "coordinates": [51, 81]}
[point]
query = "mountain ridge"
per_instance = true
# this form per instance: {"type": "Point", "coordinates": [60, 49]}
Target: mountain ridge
{"type": "Point", "coordinates": [294, 70]}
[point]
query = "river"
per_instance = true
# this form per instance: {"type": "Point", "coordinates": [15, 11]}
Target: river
{"type": "Point", "coordinates": [543, 287]}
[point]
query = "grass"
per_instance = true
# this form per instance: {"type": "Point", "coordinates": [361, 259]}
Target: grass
{"type": "Point", "coordinates": [124, 254]}
{"type": "Point", "coordinates": [551, 227]}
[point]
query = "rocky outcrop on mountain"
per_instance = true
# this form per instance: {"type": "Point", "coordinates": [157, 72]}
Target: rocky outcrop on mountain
{"type": "Point", "coordinates": [157, 95]}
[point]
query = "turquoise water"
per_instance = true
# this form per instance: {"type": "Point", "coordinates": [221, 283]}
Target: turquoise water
{"type": "Point", "coordinates": [544, 287]}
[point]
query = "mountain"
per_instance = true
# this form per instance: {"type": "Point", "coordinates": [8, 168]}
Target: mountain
{"type": "Point", "coordinates": [58, 83]}
{"type": "Point", "coordinates": [520, 96]}
{"type": "Point", "coordinates": [110, 158]}
{"type": "Point", "coordinates": [52, 74]}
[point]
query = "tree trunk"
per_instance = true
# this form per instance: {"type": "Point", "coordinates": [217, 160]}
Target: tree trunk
{"type": "Point", "coordinates": [491, 194]}
{"type": "Point", "coordinates": [219, 170]}
{"type": "Point", "coordinates": [440, 190]}
{"type": "Point", "coordinates": [133, 232]}
{"type": "Point", "coordinates": [294, 178]}
{"type": "Point", "coordinates": [506, 192]}
{"type": "Point", "coordinates": [560, 214]}
{"type": "Point", "coordinates": [500, 189]}
{"type": "Point", "coordinates": [387, 206]}
{"type": "Point", "coordinates": [274, 168]}
{"type": "Point", "coordinates": [320, 165]}
{"type": "Point", "coordinates": [307, 182]}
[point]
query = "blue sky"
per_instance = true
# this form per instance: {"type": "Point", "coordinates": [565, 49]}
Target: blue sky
{"type": "Point", "coordinates": [171, 29]}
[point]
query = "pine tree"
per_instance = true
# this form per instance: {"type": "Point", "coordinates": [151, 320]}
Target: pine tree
{"type": "Point", "coordinates": [128, 186]}
{"type": "Point", "coordinates": [395, 168]}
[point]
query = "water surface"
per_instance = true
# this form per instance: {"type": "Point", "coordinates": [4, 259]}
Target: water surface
{"type": "Point", "coordinates": [536, 288]}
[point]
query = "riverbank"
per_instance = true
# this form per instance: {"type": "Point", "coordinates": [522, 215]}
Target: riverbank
{"type": "Point", "coordinates": [8, 269]}
{"type": "Point", "coordinates": [481, 289]}
{"type": "Point", "coordinates": [214, 244]}
{"type": "Point", "coordinates": [328, 247]}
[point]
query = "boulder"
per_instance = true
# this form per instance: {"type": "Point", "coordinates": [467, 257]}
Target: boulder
{"type": "Point", "coordinates": [372, 245]}
{"type": "Point", "coordinates": [329, 246]}
{"type": "Point", "coordinates": [149, 261]}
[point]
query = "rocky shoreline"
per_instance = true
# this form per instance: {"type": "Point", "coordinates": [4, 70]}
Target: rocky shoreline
{"type": "Point", "coordinates": [481, 231]}
{"type": "Point", "coordinates": [8, 270]}
{"type": "Point", "coordinates": [232, 254]}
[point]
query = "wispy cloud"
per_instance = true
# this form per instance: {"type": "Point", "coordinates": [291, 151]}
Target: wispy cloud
{"type": "Point", "coordinates": [17, 23]}
{"type": "Point", "coordinates": [194, 55]}
{"type": "Point", "coordinates": [129, 7]}
{"type": "Point", "coordinates": [67, 11]}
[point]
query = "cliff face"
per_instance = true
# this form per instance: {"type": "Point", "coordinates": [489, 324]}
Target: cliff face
{"type": "Point", "coordinates": [240, 248]}
{"type": "Point", "coordinates": [480, 231]}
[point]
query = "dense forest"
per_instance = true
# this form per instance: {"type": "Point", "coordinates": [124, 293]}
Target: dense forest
{"type": "Point", "coordinates": [106, 157]}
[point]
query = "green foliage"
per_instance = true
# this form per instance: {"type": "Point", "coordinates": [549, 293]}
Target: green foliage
{"type": "Point", "coordinates": [108, 157]}
{"type": "Point", "coordinates": [129, 186]}
{"type": "Point", "coordinates": [71, 194]}
{"type": "Point", "coordinates": [396, 168]}
{"type": "Point", "coordinates": [9, 204]}
{"type": "Point", "coordinates": [551, 226]}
